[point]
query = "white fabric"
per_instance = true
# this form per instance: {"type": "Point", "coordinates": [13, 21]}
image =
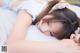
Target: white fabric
{"type": "Point", "coordinates": [31, 6]}
{"type": "Point", "coordinates": [6, 3]}
{"type": "Point", "coordinates": [34, 34]}
{"type": "Point", "coordinates": [7, 19]}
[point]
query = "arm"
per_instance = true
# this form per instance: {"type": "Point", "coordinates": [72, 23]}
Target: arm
{"type": "Point", "coordinates": [30, 47]}
{"type": "Point", "coordinates": [65, 46]}
{"type": "Point", "coordinates": [18, 32]}
{"type": "Point", "coordinates": [46, 9]}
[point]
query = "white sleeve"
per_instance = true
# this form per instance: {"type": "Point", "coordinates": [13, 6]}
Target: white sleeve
{"type": "Point", "coordinates": [32, 7]}
{"type": "Point", "coordinates": [6, 3]}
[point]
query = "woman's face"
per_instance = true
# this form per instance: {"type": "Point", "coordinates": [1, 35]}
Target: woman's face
{"type": "Point", "coordinates": [52, 28]}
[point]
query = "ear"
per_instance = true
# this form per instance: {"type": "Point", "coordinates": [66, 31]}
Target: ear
{"type": "Point", "coordinates": [40, 22]}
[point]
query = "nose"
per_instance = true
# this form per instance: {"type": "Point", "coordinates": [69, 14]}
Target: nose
{"type": "Point", "coordinates": [47, 31]}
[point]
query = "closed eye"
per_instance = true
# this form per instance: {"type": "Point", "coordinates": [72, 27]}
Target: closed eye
{"type": "Point", "coordinates": [51, 34]}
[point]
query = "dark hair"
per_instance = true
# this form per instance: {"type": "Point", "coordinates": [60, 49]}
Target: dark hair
{"type": "Point", "coordinates": [69, 20]}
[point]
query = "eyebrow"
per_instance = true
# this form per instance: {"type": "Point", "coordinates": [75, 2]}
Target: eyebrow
{"type": "Point", "coordinates": [52, 33]}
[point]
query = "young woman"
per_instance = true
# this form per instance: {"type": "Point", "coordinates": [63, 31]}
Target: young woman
{"type": "Point", "coordinates": [17, 42]}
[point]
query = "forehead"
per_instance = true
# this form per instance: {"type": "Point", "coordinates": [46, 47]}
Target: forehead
{"type": "Point", "coordinates": [48, 16]}
{"type": "Point", "coordinates": [57, 23]}
{"type": "Point", "coordinates": [52, 19]}
{"type": "Point", "coordinates": [56, 26]}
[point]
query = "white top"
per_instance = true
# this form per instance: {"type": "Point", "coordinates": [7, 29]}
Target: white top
{"type": "Point", "coordinates": [31, 6]}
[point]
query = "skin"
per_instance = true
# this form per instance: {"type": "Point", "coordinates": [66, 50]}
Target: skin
{"type": "Point", "coordinates": [76, 38]}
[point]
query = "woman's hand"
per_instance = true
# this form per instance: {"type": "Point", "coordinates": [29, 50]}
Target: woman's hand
{"type": "Point", "coordinates": [76, 38]}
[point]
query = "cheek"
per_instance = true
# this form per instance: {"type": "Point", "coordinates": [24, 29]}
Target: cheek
{"type": "Point", "coordinates": [57, 27]}
{"type": "Point", "coordinates": [57, 30]}
{"type": "Point", "coordinates": [44, 28]}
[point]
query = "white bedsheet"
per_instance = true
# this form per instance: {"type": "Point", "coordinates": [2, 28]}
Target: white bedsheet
{"type": "Point", "coordinates": [31, 6]}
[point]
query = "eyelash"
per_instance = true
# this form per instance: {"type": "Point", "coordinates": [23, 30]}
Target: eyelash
{"type": "Point", "coordinates": [51, 34]}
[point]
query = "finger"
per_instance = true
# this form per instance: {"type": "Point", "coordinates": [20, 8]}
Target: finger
{"type": "Point", "coordinates": [79, 42]}
{"type": "Point", "coordinates": [77, 39]}
{"type": "Point", "coordinates": [72, 36]}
